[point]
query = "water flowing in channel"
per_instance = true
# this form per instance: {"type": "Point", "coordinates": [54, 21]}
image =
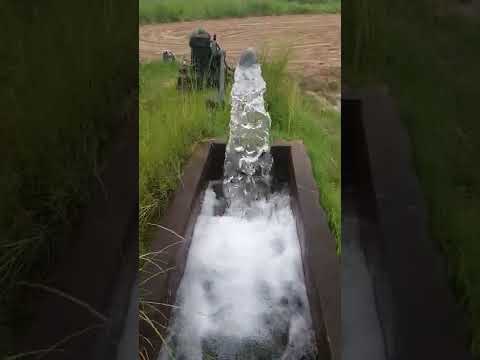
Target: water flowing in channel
{"type": "Point", "coordinates": [243, 294]}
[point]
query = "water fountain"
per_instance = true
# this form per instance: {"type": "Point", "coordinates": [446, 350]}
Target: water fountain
{"type": "Point", "coordinates": [255, 274]}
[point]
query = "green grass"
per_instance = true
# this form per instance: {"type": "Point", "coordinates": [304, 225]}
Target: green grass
{"type": "Point", "coordinates": [159, 11]}
{"type": "Point", "coordinates": [60, 98]}
{"type": "Point", "coordinates": [429, 65]}
{"type": "Point", "coordinates": [172, 122]}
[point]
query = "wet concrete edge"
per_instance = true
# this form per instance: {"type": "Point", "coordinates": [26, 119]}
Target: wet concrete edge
{"type": "Point", "coordinates": [319, 254]}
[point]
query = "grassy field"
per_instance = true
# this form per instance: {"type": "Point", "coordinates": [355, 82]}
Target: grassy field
{"type": "Point", "coordinates": [171, 123]}
{"type": "Point", "coordinates": [429, 64]}
{"type": "Point", "coordinates": [59, 104]}
{"type": "Point", "coordinates": [158, 11]}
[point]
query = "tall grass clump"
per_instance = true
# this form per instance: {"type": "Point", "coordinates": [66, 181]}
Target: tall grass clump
{"type": "Point", "coordinates": [363, 39]}
{"type": "Point", "coordinates": [159, 11]}
{"type": "Point", "coordinates": [66, 71]}
{"type": "Point", "coordinates": [171, 122]}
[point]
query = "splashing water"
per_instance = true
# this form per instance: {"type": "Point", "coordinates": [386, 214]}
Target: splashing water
{"type": "Point", "coordinates": [247, 158]}
{"type": "Point", "coordinates": [243, 294]}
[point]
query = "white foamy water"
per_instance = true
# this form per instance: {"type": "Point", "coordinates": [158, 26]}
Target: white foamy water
{"type": "Point", "coordinates": [243, 295]}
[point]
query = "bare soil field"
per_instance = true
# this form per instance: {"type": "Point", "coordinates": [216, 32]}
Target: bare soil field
{"type": "Point", "coordinates": [313, 39]}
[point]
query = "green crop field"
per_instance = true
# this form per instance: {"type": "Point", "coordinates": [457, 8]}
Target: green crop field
{"type": "Point", "coordinates": [158, 11]}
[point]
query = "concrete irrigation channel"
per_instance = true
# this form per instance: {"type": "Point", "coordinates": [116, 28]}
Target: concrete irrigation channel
{"type": "Point", "coordinates": [321, 265]}
{"type": "Point", "coordinates": [396, 302]}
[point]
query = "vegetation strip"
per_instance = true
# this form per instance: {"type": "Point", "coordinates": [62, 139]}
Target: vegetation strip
{"type": "Point", "coordinates": [161, 11]}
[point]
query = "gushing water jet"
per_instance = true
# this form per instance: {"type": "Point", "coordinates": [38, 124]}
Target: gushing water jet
{"type": "Point", "coordinates": [248, 161]}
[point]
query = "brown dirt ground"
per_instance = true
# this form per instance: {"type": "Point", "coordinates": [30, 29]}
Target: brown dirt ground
{"type": "Point", "coordinates": [313, 39]}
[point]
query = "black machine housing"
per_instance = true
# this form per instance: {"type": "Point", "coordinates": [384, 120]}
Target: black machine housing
{"type": "Point", "coordinates": [208, 67]}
